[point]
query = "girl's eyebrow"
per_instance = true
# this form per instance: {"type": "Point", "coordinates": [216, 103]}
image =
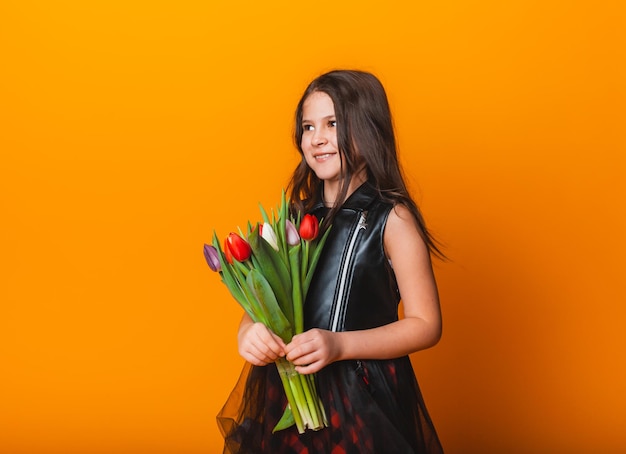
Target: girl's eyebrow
{"type": "Point", "coordinates": [327, 117]}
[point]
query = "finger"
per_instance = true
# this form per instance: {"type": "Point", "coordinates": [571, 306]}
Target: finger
{"type": "Point", "coordinates": [294, 352]}
{"type": "Point", "coordinates": [253, 359]}
{"type": "Point", "coordinates": [301, 347]}
{"type": "Point", "coordinates": [305, 354]}
{"type": "Point", "coordinates": [309, 368]}
{"type": "Point", "coordinates": [279, 341]}
{"type": "Point", "coordinates": [271, 345]}
{"type": "Point", "coordinates": [300, 344]}
{"type": "Point", "coordinates": [256, 352]}
{"type": "Point", "coordinates": [267, 336]}
{"type": "Point", "coordinates": [262, 354]}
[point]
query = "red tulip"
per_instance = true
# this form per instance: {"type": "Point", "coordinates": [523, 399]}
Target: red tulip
{"type": "Point", "coordinates": [227, 255]}
{"type": "Point", "coordinates": [238, 247]}
{"type": "Point", "coordinates": [309, 227]}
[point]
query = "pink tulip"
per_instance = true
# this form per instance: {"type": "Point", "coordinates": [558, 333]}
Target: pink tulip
{"type": "Point", "coordinates": [293, 238]}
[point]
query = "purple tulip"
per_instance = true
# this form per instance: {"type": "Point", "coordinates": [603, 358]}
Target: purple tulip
{"type": "Point", "coordinates": [212, 259]}
{"type": "Point", "coordinates": [293, 238]}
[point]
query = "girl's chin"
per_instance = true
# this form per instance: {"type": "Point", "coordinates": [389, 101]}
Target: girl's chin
{"type": "Point", "coordinates": [327, 177]}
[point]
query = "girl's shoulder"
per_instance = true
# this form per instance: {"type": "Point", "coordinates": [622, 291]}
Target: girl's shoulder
{"type": "Point", "coordinates": [401, 221]}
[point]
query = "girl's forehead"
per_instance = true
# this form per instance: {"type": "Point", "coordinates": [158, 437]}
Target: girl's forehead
{"type": "Point", "coordinates": [318, 100]}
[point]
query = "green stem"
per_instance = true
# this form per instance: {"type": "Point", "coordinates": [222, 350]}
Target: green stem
{"type": "Point", "coordinates": [294, 265]}
{"type": "Point", "coordinates": [285, 370]}
{"type": "Point", "coordinates": [306, 406]}
{"type": "Point", "coordinates": [318, 401]}
{"type": "Point", "coordinates": [301, 401]}
{"type": "Point", "coordinates": [305, 260]}
{"type": "Point", "coordinates": [311, 403]}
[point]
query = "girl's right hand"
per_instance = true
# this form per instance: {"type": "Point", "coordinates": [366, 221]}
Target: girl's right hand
{"type": "Point", "coordinates": [258, 345]}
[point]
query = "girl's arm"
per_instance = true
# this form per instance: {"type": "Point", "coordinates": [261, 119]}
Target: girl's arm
{"type": "Point", "coordinates": [419, 329]}
{"type": "Point", "coordinates": [257, 344]}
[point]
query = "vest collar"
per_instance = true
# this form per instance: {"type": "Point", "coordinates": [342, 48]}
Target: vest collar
{"type": "Point", "coordinates": [359, 200]}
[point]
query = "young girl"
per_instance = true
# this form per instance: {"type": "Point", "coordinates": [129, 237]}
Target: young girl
{"type": "Point", "coordinates": [377, 253]}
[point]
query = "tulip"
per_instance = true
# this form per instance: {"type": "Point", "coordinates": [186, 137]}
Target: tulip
{"type": "Point", "coordinates": [269, 278]}
{"type": "Point", "coordinates": [212, 258]}
{"type": "Point", "coordinates": [227, 255]}
{"type": "Point", "coordinates": [238, 248]}
{"type": "Point", "coordinates": [309, 227]}
{"type": "Point", "coordinates": [293, 238]}
{"type": "Point", "coordinates": [267, 233]}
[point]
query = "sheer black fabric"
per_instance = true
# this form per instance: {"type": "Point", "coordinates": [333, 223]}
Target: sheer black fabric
{"type": "Point", "coordinates": [373, 406]}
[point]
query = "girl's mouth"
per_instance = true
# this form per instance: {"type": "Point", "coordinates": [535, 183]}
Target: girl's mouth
{"type": "Point", "coordinates": [323, 157]}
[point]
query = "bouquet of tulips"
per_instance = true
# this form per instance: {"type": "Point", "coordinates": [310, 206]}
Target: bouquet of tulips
{"type": "Point", "coordinates": [268, 272]}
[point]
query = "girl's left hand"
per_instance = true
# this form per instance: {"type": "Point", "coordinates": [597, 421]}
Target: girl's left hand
{"type": "Point", "coordinates": [313, 349]}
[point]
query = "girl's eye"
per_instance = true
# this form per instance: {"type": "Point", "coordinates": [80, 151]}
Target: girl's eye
{"type": "Point", "coordinates": [332, 123]}
{"type": "Point", "coordinates": [307, 127]}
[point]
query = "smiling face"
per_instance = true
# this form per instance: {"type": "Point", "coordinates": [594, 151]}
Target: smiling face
{"type": "Point", "coordinates": [319, 138]}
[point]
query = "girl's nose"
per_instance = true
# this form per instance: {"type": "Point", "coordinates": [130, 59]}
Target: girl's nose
{"type": "Point", "coordinates": [319, 138]}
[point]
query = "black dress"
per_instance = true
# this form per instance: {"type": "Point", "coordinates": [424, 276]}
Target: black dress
{"type": "Point", "coordinates": [373, 406]}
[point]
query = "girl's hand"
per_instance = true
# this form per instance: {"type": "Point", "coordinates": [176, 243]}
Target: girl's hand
{"type": "Point", "coordinates": [313, 349]}
{"type": "Point", "coordinates": [258, 345]}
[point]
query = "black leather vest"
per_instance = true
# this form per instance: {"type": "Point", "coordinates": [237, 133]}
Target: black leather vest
{"type": "Point", "coordinates": [354, 286]}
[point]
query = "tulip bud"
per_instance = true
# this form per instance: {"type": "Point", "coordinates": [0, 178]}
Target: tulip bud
{"type": "Point", "coordinates": [238, 247]}
{"type": "Point", "coordinates": [227, 254]}
{"type": "Point", "coordinates": [293, 239]}
{"type": "Point", "coordinates": [309, 227]}
{"type": "Point", "coordinates": [212, 259]}
{"type": "Point", "coordinates": [267, 233]}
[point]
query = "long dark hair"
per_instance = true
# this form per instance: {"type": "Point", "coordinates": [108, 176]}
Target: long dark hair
{"type": "Point", "coordinates": [365, 138]}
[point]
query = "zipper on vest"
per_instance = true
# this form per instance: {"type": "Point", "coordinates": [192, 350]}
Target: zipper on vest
{"type": "Point", "coordinates": [343, 274]}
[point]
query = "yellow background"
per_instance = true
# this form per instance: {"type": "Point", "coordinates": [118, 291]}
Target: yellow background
{"type": "Point", "coordinates": [129, 130]}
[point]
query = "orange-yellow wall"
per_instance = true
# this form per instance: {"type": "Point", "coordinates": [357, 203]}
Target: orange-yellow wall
{"type": "Point", "coordinates": [129, 130]}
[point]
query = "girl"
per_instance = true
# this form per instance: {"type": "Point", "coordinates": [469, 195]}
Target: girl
{"type": "Point", "coordinates": [378, 251]}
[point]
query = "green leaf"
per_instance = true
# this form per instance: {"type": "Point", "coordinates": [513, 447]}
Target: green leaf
{"type": "Point", "coordinates": [266, 218]}
{"type": "Point", "coordinates": [275, 271]}
{"type": "Point", "coordinates": [256, 309]}
{"type": "Point", "coordinates": [313, 259]}
{"type": "Point", "coordinates": [294, 262]}
{"type": "Point", "coordinates": [286, 420]}
{"type": "Point", "coordinates": [233, 280]}
{"type": "Point", "coordinates": [266, 301]}
{"type": "Point", "coordinates": [282, 223]}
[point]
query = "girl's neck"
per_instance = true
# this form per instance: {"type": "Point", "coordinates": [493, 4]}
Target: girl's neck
{"type": "Point", "coordinates": [330, 193]}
